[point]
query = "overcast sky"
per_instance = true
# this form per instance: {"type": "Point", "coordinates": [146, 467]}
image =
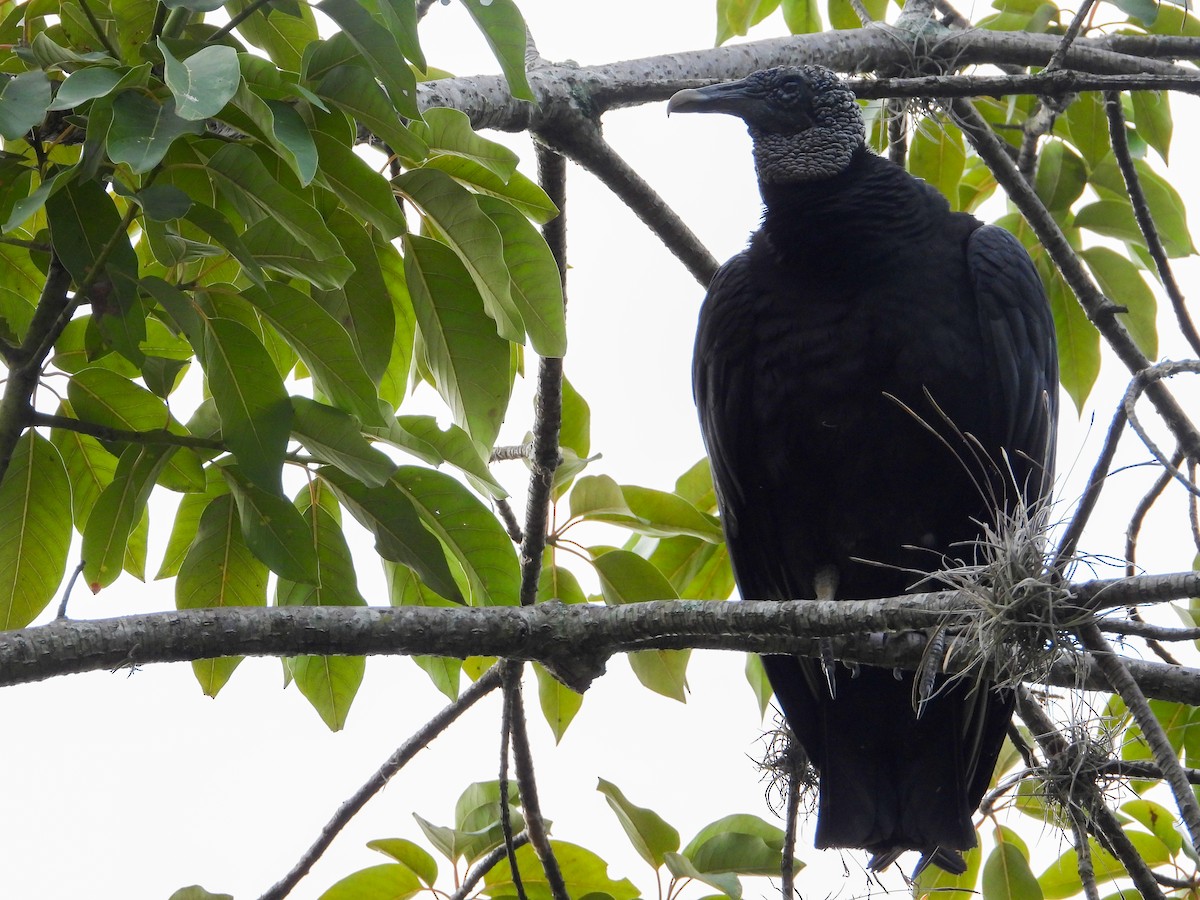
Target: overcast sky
{"type": "Point", "coordinates": [133, 785]}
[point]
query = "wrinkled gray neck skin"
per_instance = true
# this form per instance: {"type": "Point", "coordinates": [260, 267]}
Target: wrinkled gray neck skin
{"type": "Point", "coordinates": [820, 151]}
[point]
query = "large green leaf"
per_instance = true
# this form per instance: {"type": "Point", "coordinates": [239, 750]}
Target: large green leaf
{"type": "Point", "coordinates": [328, 682]}
{"type": "Point", "coordinates": [144, 128]}
{"type": "Point", "coordinates": [934, 883]}
{"type": "Point", "coordinates": [23, 102]}
{"type": "Point", "coordinates": [470, 362]}
{"type": "Point", "coordinates": [204, 82]}
{"type": "Point", "coordinates": [473, 236]}
{"type": "Point", "coordinates": [219, 571]}
{"type": "Point", "coordinates": [1061, 878]}
{"type": "Point", "coordinates": [471, 533]}
{"type": "Point", "coordinates": [802, 16]}
{"type": "Point", "coordinates": [104, 397]}
{"type": "Point", "coordinates": [1152, 119]}
{"type": "Point", "coordinates": [1061, 176]}
{"type": "Point", "coordinates": [518, 190]}
{"type": "Point", "coordinates": [358, 186]}
{"type": "Point", "coordinates": [89, 466]}
{"type": "Point", "coordinates": [283, 33]}
{"type": "Point", "coordinates": [364, 304]}
{"type": "Point", "coordinates": [1123, 284]}
{"type": "Point", "coordinates": [504, 29]}
{"type": "Point", "coordinates": [452, 445]}
{"type": "Point", "coordinates": [187, 522]}
{"type": "Point", "coordinates": [446, 130]}
{"type": "Point", "coordinates": [406, 589]}
{"type": "Point", "coordinates": [559, 703]}
{"type": "Point", "coordinates": [391, 516]}
{"type": "Point", "coordinates": [35, 529]}
{"type": "Point", "coordinates": [536, 286]}
{"type": "Point", "coordinates": [938, 155]}
{"type": "Point", "coordinates": [379, 48]}
{"type": "Point", "coordinates": [118, 511]}
{"type": "Point", "coordinates": [1087, 125]}
{"type": "Point", "coordinates": [1006, 874]}
{"type": "Point", "coordinates": [323, 344]}
{"type": "Point", "coordinates": [387, 881]}
{"type": "Point", "coordinates": [335, 437]}
{"type": "Point", "coordinates": [740, 844]}
{"type": "Point", "coordinates": [1166, 206]}
{"type": "Point", "coordinates": [649, 832]}
{"type": "Point", "coordinates": [244, 178]}
{"type": "Point", "coordinates": [256, 417]}
{"type": "Point", "coordinates": [585, 874]}
{"type": "Point", "coordinates": [626, 577]}
{"type": "Point", "coordinates": [353, 90]}
{"type": "Point", "coordinates": [274, 530]}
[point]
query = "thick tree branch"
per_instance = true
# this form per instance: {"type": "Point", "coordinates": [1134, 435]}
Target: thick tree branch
{"type": "Point", "coordinates": [575, 642]}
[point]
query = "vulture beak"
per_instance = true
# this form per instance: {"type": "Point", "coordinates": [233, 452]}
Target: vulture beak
{"type": "Point", "coordinates": [734, 98]}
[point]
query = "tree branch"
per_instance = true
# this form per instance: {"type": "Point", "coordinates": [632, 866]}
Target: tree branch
{"type": "Point", "coordinates": [487, 682]}
{"type": "Point", "coordinates": [574, 642]}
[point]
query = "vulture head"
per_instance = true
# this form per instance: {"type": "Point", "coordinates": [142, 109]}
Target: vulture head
{"type": "Point", "coordinates": [804, 121]}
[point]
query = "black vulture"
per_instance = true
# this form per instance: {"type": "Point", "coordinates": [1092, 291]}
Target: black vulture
{"type": "Point", "coordinates": [876, 377]}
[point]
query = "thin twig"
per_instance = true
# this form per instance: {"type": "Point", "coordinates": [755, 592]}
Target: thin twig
{"type": "Point", "coordinates": [105, 433]}
{"type": "Point", "coordinates": [1164, 755]}
{"type": "Point", "coordinates": [511, 676]}
{"type": "Point", "coordinates": [1143, 383]}
{"type": "Point", "coordinates": [585, 145]}
{"type": "Point", "coordinates": [1072, 32]}
{"type": "Point", "coordinates": [488, 862]}
{"type": "Point", "coordinates": [1091, 493]}
{"type": "Point", "coordinates": [1083, 855]}
{"type": "Point", "coordinates": [791, 817]}
{"type": "Point", "coordinates": [237, 20]}
{"type": "Point", "coordinates": [511, 451]}
{"type": "Point", "coordinates": [487, 682]}
{"type": "Point", "coordinates": [62, 606]}
{"type": "Point", "coordinates": [1146, 630]}
{"type": "Point", "coordinates": [1138, 517]}
{"type": "Point", "coordinates": [1141, 212]}
{"type": "Point", "coordinates": [534, 821]}
{"type": "Point", "coordinates": [509, 518]}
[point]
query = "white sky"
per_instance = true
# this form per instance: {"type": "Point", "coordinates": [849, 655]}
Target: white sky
{"type": "Point", "coordinates": [133, 785]}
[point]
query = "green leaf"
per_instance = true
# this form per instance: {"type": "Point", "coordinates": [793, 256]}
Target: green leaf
{"type": "Point", "coordinates": [842, 14]}
{"type": "Point", "coordinates": [452, 445]}
{"type": "Point", "coordinates": [273, 529]}
{"type": "Point", "coordinates": [284, 35]}
{"type": "Point", "coordinates": [118, 510]}
{"type": "Point", "coordinates": [1006, 874]}
{"type": "Point", "coordinates": [446, 130]}
{"type": "Point", "coordinates": [1166, 206]}
{"type": "Point", "coordinates": [143, 129]}
{"type": "Point", "coordinates": [1152, 118]}
{"type": "Point", "coordinates": [390, 515]}
{"type": "Point", "coordinates": [1061, 878]}
{"type": "Point", "coordinates": [406, 589]}
{"type": "Point", "coordinates": [536, 285]}
{"type": "Point", "coordinates": [583, 871]}
{"type": "Point", "coordinates": [1159, 820]}
{"type": "Point", "coordinates": [596, 496]}
{"type": "Point", "coordinates": [214, 223]}
{"type": "Point", "coordinates": [389, 881]}
{"type": "Point", "coordinates": [195, 892]}
{"type": "Point", "coordinates": [187, 522]}
{"type": "Point", "coordinates": [256, 416]}
{"type": "Point", "coordinates": [1078, 340]}
{"type": "Point", "coordinates": [802, 16]}
{"type": "Point", "coordinates": [410, 855]}
{"type": "Point", "coordinates": [1087, 125]}
{"type": "Point", "coordinates": [400, 16]}
{"type": "Point", "coordinates": [219, 571]}
{"type": "Point", "coordinates": [649, 833]}
{"type": "Point", "coordinates": [358, 186]}
{"type": "Point", "coordinates": [23, 102]}
{"type": "Point", "coordinates": [626, 577]}
{"type": "Point", "coordinates": [364, 302]}
{"type": "Point", "coordinates": [90, 467]}
{"type": "Point", "coordinates": [681, 867]}
{"type": "Point", "coordinates": [756, 677]}
{"type": "Point", "coordinates": [328, 682]}
{"type": "Point", "coordinates": [83, 85]}
{"type": "Point", "coordinates": [1061, 176]}
{"type": "Point", "coordinates": [938, 155]}
{"type": "Point", "coordinates": [669, 514]}
{"type": "Point", "coordinates": [379, 48]}
{"type": "Point", "coordinates": [741, 844]}
{"type": "Point", "coordinates": [336, 438]}
{"type": "Point", "coordinates": [558, 702]}
{"type": "Point", "coordinates": [324, 346]}
{"type": "Point", "coordinates": [504, 28]}
{"type": "Point", "coordinates": [470, 362]}
{"type": "Point", "coordinates": [35, 529]}
{"type": "Point", "coordinates": [355, 92]}
{"type": "Point", "coordinates": [242, 175]}
{"type": "Point", "coordinates": [518, 190]}
{"type": "Point", "coordinates": [204, 82]}
{"type": "Point", "coordinates": [474, 238]}
{"type": "Point", "coordinates": [469, 531]}
{"type": "Point", "coordinates": [107, 398]}
{"type": "Point", "coordinates": [1121, 281]}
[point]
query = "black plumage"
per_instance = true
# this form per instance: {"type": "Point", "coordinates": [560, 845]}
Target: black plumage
{"type": "Point", "coordinates": [876, 375]}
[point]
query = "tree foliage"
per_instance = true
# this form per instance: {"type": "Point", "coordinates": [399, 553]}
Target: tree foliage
{"type": "Point", "coordinates": [234, 242]}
